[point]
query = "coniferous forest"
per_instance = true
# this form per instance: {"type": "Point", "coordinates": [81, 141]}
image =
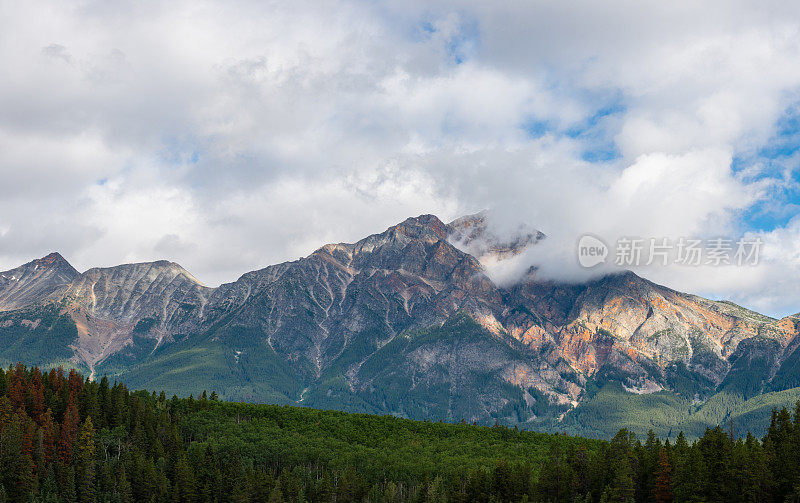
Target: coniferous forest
{"type": "Point", "coordinates": [64, 438]}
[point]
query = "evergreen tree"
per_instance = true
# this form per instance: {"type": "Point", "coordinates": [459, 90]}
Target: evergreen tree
{"type": "Point", "coordinates": [85, 453]}
{"type": "Point", "coordinates": [3, 384]}
{"type": "Point", "coordinates": [781, 453]}
{"type": "Point", "coordinates": [49, 487]}
{"type": "Point", "coordinates": [123, 486]}
{"type": "Point", "coordinates": [276, 496]}
{"type": "Point", "coordinates": [69, 429]}
{"type": "Point", "coordinates": [26, 479]}
{"type": "Point", "coordinates": [66, 486]}
{"type": "Point", "coordinates": [183, 489]}
{"type": "Point", "coordinates": [662, 492]}
{"type": "Point", "coordinates": [556, 475]}
{"type": "Point", "coordinates": [621, 487]}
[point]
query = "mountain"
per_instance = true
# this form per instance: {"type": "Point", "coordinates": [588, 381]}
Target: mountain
{"type": "Point", "coordinates": [33, 281]}
{"type": "Point", "coordinates": [473, 234]}
{"type": "Point", "coordinates": [407, 322]}
{"type": "Point", "coordinates": [126, 308]}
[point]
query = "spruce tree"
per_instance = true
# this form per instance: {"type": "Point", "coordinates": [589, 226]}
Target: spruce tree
{"type": "Point", "coordinates": [85, 453]}
{"type": "Point", "coordinates": [184, 485]}
{"type": "Point", "coordinates": [662, 492]}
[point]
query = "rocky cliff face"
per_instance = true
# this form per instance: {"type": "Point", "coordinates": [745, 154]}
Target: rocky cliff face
{"type": "Point", "coordinates": [637, 330]}
{"type": "Point", "coordinates": [130, 292]}
{"type": "Point", "coordinates": [406, 322]}
{"type": "Point", "coordinates": [153, 300]}
{"type": "Point", "coordinates": [34, 281]}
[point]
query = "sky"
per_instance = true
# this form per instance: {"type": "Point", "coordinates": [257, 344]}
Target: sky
{"type": "Point", "coordinates": [227, 136]}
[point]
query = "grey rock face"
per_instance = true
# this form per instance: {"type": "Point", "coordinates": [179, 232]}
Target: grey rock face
{"type": "Point", "coordinates": [127, 293]}
{"type": "Point", "coordinates": [313, 310]}
{"type": "Point", "coordinates": [34, 281]}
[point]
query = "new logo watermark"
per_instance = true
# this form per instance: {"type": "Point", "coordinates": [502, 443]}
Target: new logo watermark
{"type": "Point", "coordinates": [592, 251]}
{"type": "Point", "coordinates": [634, 251]}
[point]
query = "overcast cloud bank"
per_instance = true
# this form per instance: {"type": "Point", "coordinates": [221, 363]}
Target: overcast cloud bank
{"type": "Point", "coordinates": [227, 136]}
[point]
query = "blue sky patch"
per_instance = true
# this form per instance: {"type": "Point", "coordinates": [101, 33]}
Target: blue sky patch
{"type": "Point", "coordinates": [778, 163]}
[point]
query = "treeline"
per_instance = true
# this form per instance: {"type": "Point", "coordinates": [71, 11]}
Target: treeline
{"type": "Point", "coordinates": [65, 438]}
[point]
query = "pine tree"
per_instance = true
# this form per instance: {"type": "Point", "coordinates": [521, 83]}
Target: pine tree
{"type": "Point", "coordinates": [662, 492]}
{"type": "Point", "coordinates": [49, 435]}
{"type": "Point", "coordinates": [123, 486]}
{"type": "Point", "coordinates": [11, 453]}
{"type": "Point", "coordinates": [715, 447]}
{"type": "Point", "coordinates": [5, 412]}
{"type": "Point", "coordinates": [37, 396]}
{"type": "Point", "coordinates": [690, 481]}
{"type": "Point", "coordinates": [90, 402]}
{"type": "Point", "coordinates": [183, 489]}
{"type": "Point", "coordinates": [28, 432]}
{"type": "Point", "coordinates": [276, 496]}
{"type": "Point", "coordinates": [85, 451]}
{"type": "Point", "coordinates": [556, 475]}
{"type": "Point", "coordinates": [502, 485]}
{"type": "Point", "coordinates": [69, 429]}
{"type": "Point", "coordinates": [18, 388]}
{"type": "Point", "coordinates": [781, 453]}
{"type": "Point", "coordinates": [26, 479]}
{"type": "Point", "coordinates": [66, 484]}
{"type": "Point", "coordinates": [104, 401]}
{"type": "Point", "coordinates": [261, 486]}
{"type": "Point", "coordinates": [103, 482]}
{"type": "Point", "coordinates": [74, 384]}
{"type": "Point", "coordinates": [49, 488]}
{"type": "Point", "coordinates": [621, 487]}
{"type": "Point", "coordinates": [3, 382]}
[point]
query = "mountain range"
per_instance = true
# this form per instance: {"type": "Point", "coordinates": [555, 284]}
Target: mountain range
{"type": "Point", "coordinates": [407, 322]}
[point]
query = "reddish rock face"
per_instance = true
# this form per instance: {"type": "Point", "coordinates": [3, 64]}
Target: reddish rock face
{"type": "Point", "coordinates": [631, 323]}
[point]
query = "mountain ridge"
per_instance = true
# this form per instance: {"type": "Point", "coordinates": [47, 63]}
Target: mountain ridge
{"type": "Point", "coordinates": [34, 280]}
{"type": "Point", "coordinates": [332, 330]}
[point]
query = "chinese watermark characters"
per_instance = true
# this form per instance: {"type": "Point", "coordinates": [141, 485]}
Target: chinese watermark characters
{"type": "Point", "coordinates": [632, 251]}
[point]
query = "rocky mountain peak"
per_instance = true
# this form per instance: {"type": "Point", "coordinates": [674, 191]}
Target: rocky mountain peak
{"type": "Point", "coordinates": [159, 269]}
{"type": "Point", "coordinates": [427, 229]}
{"type": "Point", "coordinates": [56, 261]}
{"type": "Point", "coordinates": [424, 230]}
{"type": "Point", "coordinates": [475, 235]}
{"type": "Point", "coordinates": [129, 291]}
{"type": "Point", "coordinates": [34, 281]}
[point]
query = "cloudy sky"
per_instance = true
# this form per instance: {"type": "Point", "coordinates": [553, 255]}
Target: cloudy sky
{"type": "Point", "coordinates": [227, 136]}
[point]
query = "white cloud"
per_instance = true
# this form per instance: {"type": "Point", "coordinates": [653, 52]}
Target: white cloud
{"type": "Point", "coordinates": [233, 135]}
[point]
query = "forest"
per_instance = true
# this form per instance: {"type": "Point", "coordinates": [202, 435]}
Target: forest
{"type": "Point", "coordinates": [65, 438]}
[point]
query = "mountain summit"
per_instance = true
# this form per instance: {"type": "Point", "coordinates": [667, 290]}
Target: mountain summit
{"type": "Point", "coordinates": [406, 322]}
{"type": "Point", "coordinates": [34, 281]}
